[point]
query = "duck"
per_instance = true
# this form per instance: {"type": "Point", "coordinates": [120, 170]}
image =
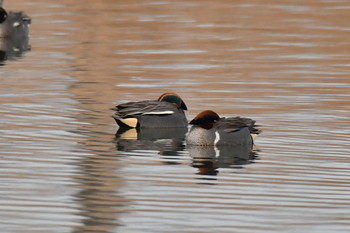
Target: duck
{"type": "Point", "coordinates": [209, 129]}
{"type": "Point", "coordinates": [14, 24]}
{"type": "Point", "coordinates": [165, 112]}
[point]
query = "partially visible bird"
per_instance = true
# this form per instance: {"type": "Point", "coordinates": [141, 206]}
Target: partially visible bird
{"type": "Point", "coordinates": [14, 24]}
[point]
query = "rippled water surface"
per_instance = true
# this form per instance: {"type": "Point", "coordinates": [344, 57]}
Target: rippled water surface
{"type": "Point", "coordinates": [65, 167]}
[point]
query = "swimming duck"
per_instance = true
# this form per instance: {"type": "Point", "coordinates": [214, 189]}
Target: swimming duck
{"type": "Point", "coordinates": [209, 129]}
{"type": "Point", "coordinates": [13, 24]}
{"type": "Point", "coordinates": [165, 112]}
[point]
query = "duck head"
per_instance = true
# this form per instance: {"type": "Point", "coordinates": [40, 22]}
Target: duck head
{"type": "Point", "coordinates": [173, 99]}
{"type": "Point", "coordinates": [205, 119]}
{"type": "Point", "coordinates": [3, 15]}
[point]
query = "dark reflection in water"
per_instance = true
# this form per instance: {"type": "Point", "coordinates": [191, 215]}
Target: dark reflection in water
{"type": "Point", "coordinates": [13, 48]}
{"type": "Point", "coordinates": [166, 141]}
{"type": "Point", "coordinates": [98, 177]}
{"type": "Point", "coordinates": [208, 159]}
{"type": "Point", "coordinates": [169, 142]}
{"type": "Point", "coordinates": [99, 199]}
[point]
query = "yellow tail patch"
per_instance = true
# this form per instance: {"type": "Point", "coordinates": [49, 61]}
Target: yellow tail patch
{"type": "Point", "coordinates": [254, 136]}
{"type": "Point", "coordinates": [131, 122]}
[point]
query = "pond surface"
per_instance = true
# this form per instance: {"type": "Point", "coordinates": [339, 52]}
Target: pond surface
{"type": "Point", "coordinates": [284, 64]}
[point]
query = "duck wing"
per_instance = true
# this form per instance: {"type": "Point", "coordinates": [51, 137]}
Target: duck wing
{"type": "Point", "coordinates": [233, 124]}
{"type": "Point", "coordinates": [146, 107]}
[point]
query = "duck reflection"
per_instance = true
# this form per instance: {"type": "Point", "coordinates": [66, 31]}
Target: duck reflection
{"type": "Point", "coordinates": [208, 159]}
{"type": "Point", "coordinates": [13, 48]}
{"type": "Point", "coordinates": [167, 141]}
{"type": "Point", "coordinates": [99, 199]}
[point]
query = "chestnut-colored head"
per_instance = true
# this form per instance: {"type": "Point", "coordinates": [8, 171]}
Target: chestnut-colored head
{"type": "Point", "coordinates": [174, 99]}
{"type": "Point", "coordinates": [205, 119]}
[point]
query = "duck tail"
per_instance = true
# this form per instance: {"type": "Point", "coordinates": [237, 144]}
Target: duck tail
{"type": "Point", "coordinates": [125, 122]}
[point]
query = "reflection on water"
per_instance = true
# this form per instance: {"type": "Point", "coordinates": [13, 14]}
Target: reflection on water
{"type": "Point", "coordinates": [162, 139]}
{"type": "Point", "coordinates": [208, 159]}
{"type": "Point", "coordinates": [169, 142]}
{"type": "Point", "coordinates": [285, 65]}
{"type": "Point", "coordinates": [11, 49]}
{"type": "Point", "coordinates": [98, 182]}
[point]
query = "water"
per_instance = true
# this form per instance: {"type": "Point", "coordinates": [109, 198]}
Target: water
{"type": "Point", "coordinates": [286, 65]}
